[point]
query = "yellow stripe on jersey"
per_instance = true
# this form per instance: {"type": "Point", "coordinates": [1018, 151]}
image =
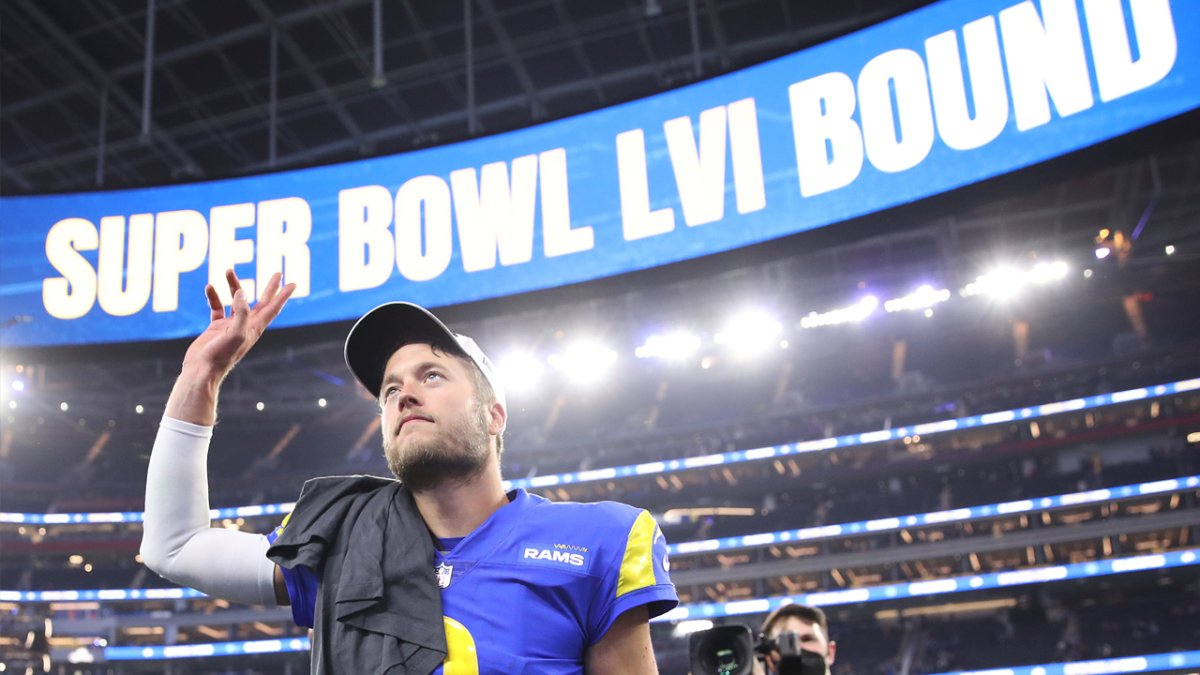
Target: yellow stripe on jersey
{"type": "Point", "coordinates": [461, 657]}
{"type": "Point", "coordinates": [637, 567]}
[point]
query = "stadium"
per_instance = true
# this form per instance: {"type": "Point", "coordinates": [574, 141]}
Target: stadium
{"type": "Point", "coordinates": [918, 348]}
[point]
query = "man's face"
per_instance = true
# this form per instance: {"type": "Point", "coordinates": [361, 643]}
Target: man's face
{"type": "Point", "coordinates": [435, 430]}
{"type": "Point", "coordinates": [812, 639]}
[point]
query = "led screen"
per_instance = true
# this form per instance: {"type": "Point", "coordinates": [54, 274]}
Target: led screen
{"type": "Point", "coordinates": [949, 95]}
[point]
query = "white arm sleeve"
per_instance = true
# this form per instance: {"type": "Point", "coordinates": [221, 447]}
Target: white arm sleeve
{"type": "Point", "coordinates": [177, 541]}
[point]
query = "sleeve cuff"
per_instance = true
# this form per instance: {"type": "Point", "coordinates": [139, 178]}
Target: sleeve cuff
{"type": "Point", "coordinates": [196, 430]}
{"type": "Point", "coordinates": [658, 599]}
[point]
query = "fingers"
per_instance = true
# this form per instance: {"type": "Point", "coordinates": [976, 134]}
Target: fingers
{"type": "Point", "coordinates": [231, 278]}
{"type": "Point", "coordinates": [270, 294]}
{"type": "Point", "coordinates": [270, 302]}
{"type": "Point", "coordinates": [272, 287]}
{"type": "Point", "coordinates": [271, 308]}
{"type": "Point", "coordinates": [216, 307]}
{"type": "Point", "coordinates": [241, 308]}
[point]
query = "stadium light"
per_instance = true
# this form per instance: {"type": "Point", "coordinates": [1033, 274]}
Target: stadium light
{"type": "Point", "coordinates": [139, 409]}
{"type": "Point", "coordinates": [687, 627]}
{"type": "Point", "coordinates": [1045, 272]}
{"type": "Point", "coordinates": [584, 363]}
{"type": "Point", "coordinates": [921, 299]}
{"type": "Point", "coordinates": [1006, 282]}
{"type": "Point", "coordinates": [1001, 282]}
{"type": "Point", "coordinates": [674, 346]}
{"type": "Point", "coordinates": [520, 371]}
{"type": "Point", "coordinates": [855, 313]}
{"type": "Point", "coordinates": [750, 333]}
{"type": "Point", "coordinates": [1170, 249]}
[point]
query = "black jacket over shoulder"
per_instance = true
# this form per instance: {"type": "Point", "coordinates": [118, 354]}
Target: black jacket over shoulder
{"type": "Point", "coordinates": [378, 608]}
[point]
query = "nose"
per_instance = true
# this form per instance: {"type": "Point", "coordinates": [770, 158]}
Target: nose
{"type": "Point", "coordinates": [408, 398]}
{"type": "Point", "coordinates": [404, 397]}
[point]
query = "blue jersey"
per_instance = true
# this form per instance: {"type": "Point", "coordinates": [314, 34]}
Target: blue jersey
{"type": "Point", "coordinates": [537, 584]}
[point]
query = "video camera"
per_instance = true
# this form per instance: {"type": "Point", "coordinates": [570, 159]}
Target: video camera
{"type": "Point", "coordinates": [731, 650]}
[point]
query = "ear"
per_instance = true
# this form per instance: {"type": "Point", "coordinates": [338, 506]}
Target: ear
{"type": "Point", "coordinates": [830, 653]}
{"type": "Point", "coordinates": [498, 417]}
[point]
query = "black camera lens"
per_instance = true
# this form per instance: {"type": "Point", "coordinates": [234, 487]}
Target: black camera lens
{"type": "Point", "coordinates": [724, 650]}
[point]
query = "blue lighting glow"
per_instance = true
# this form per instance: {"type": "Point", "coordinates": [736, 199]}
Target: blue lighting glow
{"type": "Point", "coordinates": [973, 582]}
{"type": "Point", "coordinates": [297, 644]}
{"type": "Point", "coordinates": [963, 514]}
{"type": "Point", "coordinates": [668, 466]}
{"type": "Point", "coordinates": [1099, 568]}
{"type": "Point", "coordinates": [1125, 664]}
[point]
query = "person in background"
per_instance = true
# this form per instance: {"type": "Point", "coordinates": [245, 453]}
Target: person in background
{"type": "Point", "coordinates": [812, 633]}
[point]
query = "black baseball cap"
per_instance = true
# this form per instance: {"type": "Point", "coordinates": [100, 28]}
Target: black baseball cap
{"type": "Point", "coordinates": [383, 330]}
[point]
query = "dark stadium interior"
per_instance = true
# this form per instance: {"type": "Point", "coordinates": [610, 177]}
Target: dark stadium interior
{"type": "Point", "coordinates": [77, 436]}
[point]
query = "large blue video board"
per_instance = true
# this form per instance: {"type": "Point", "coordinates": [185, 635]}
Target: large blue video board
{"type": "Point", "coordinates": [946, 96]}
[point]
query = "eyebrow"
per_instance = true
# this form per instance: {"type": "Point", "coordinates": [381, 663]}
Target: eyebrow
{"type": "Point", "coordinates": [421, 368]}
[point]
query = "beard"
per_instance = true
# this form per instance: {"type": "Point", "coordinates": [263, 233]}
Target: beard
{"type": "Point", "coordinates": [458, 453]}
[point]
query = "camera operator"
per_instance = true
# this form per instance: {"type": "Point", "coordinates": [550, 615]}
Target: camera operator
{"type": "Point", "coordinates": [796, 629]}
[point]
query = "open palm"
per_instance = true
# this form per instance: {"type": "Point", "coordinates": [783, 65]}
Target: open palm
{"type": "Point", "coordinates": [227, 338]}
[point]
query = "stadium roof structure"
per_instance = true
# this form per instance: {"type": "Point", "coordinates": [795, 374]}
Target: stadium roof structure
{"type": "Point", "coordinates": [347, 85]}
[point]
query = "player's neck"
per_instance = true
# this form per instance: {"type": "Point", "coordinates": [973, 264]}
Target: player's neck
{"type": "Point", "coordinates": [455, 510]}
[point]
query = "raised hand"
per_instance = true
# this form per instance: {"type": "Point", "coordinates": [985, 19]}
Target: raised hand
{"type": "Point", "coordinates": [214, 353]}
{"type": "Point", "coordinates": [219, 348]}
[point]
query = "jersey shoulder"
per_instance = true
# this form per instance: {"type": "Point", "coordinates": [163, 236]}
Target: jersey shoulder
{"type": "Point", "coordinates": [607, 531]}
{"type": "Point", "coordinates": [620, 545]}
{"type": "Point", "coordinates": [572, 516]}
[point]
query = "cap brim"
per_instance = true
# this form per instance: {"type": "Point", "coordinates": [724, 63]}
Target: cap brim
{"type": "Point", "coordinates": [383, 330]}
